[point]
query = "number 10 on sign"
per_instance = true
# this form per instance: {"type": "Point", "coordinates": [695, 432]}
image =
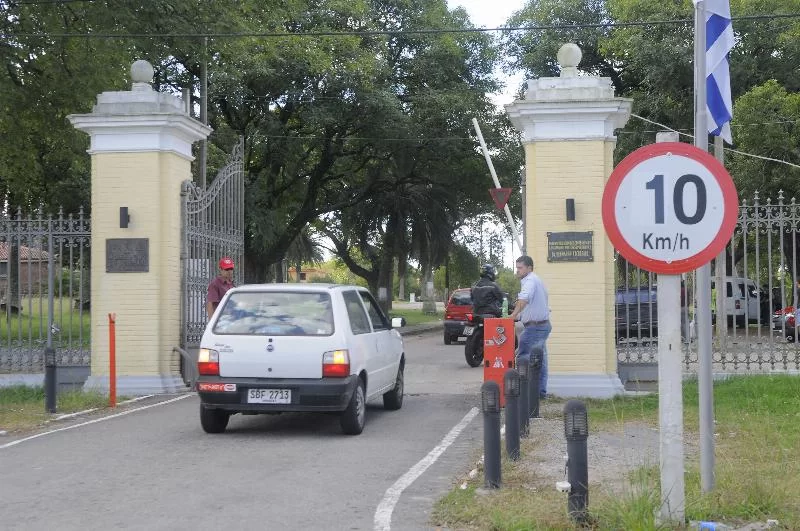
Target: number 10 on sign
{"type": "Point", "coordinates": [669, 207]}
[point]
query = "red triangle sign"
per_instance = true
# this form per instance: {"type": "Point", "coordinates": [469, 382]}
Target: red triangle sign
{"type": "Point", "coordinates": [500, 196]}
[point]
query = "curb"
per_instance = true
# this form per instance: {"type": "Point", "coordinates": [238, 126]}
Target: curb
{"type": "Point", "coordinates": [420, 328]}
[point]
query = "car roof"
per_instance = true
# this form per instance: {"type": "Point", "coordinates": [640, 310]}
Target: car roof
{"type": "Point", "coordinates": [293, 286]}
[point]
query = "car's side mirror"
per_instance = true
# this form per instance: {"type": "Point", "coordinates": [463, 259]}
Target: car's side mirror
{"type": "Point", "coordinates": [398, 322]}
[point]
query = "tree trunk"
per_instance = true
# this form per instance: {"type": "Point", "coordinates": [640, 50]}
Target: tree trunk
{"type": "Point", "coordinates": [402, 272]}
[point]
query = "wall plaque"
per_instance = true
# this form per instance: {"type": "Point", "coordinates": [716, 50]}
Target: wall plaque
{"type": "Point", "coordinates": [569, 247]}
{"type": "Point", "coordinates": [127, 255]}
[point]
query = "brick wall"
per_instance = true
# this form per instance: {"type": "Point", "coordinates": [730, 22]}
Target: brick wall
{"type": "Point", "coordinates": [581, 293]}
{"type": "Point", "coordinates": [147, 305]}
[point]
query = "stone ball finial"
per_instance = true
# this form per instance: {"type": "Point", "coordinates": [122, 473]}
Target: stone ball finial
{"type": "Point", "coordinates": [569, 55]}
{"type": "Point", "coordinates": [142, 72]}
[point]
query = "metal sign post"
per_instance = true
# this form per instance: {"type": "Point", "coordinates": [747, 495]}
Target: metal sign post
{"type": "Point", "coordinates": [670, 208]}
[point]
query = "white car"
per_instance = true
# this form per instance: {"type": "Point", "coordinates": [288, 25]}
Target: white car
{"type": "Point", "coordinates": [298, 347]}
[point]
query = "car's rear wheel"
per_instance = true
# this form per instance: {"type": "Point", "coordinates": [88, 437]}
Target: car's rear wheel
{"type": "Point", "coordinates": [213, 420]}
{"type": "Point", "coordinates": [394, 398]}
{"type": "Point", "coordinates": [447, 339]}
{"type": "Point", "coordinates": [353, 418]}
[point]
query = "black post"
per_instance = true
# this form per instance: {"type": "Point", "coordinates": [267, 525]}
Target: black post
{"type": "Point", "coordinates": [523, 366]}
{"type": "Point", "coordinates": [490, 406]}
{"type": "Point", "coordinates": [511, 391]}
{"type": "Point", "coordinates": [49, 352]}
{"type": "Point", "coordinates": [576, 430]}
{"type": "Point", "coordinates": [537, 353]}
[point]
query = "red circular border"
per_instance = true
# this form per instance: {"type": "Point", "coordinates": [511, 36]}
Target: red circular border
{"type": "Point", "coordinates": [729, 195]}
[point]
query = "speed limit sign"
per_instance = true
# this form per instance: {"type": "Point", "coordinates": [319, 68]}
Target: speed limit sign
{"type": "Point", "coordinates": [669, 207]}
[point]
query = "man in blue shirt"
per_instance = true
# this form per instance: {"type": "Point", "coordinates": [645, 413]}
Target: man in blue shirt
{"type": "Point", "coordinates": [532, 308]}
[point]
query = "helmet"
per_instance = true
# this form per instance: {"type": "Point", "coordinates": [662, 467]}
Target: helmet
{"type": "Point", "coordinates": [488, 271]}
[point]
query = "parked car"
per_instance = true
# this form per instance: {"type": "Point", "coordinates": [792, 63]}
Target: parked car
{"type": "Point", "coordinates": [743, 301]}
{"type": "Point", "coordinates": [274, 348]}
{"type": "Point", "coordinates": [636, 312]}
{"type": "Point", "coordinates": [455, 314]}
{"type": "Point", "coordinates": [784, 322]}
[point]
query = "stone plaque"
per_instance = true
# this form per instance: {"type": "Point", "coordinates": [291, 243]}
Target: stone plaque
{"type": "Point", "coordinates": [569, 247]}
{"type": "Point", "coordinates": [127, 255]}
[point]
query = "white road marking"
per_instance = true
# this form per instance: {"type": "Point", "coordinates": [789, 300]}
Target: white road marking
{"type": "Point", "coordinates": [383, 515]}
{"type": "Point", "coordinates": [95, 421]}
{"type": "Point", "coordinates": [85, 411]}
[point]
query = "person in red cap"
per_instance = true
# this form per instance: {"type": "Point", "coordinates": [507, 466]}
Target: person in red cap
{"type": "Point", "coordinates": [220, 285]}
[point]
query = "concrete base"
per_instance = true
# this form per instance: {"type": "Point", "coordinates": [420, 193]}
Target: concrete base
{"type": "Point", "coordinates": [139, 385]}
{"type": "Point", "coordinates": [585, 385]}
{"type": "Point", "coordinates": [67, 378]}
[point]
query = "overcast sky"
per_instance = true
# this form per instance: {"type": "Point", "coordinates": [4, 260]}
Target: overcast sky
{"type": "Point", "coordinates": [493, 14]}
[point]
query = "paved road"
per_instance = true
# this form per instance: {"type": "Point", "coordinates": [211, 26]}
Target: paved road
{"type": "Point", "coordinates": [156, 469]}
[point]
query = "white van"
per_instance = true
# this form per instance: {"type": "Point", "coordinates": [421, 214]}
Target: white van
{"type": "Point", "coordinates": [742, 299]}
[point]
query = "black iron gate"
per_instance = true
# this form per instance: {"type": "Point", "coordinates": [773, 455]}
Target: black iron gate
{"type": "Point", "coordinates": [213, 227]}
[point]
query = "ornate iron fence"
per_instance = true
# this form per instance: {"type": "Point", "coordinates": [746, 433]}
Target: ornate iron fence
{"type": "Point", "coordinates": [213, 227]}
{"type": "Point", "coordinates": [30, 248]}
{"type": "Point", "coordinates": [753, 308]}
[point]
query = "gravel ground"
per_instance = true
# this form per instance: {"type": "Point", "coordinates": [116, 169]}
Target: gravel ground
{"type": "Point", "coordinates": [613, 454]}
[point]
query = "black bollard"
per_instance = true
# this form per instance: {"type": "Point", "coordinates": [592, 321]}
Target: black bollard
{"type": "Point", "coordinates": [490, 406]}
{"type": "Point", "coordinates": [511, 391]}
{"type": "Point", "coordinates": [537, 353]}
{"type": "Point", "coordinates": [50, 379]}
{"type": "Point", "coordinates": [576, 430]}
{"type": "Point", "coordinates": [524, 366]}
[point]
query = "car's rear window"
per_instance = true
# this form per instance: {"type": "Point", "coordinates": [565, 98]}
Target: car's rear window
{"type": "Point", "coordinates": [461, 298]}
{"type": "Point", "coordinates": [276, 313]}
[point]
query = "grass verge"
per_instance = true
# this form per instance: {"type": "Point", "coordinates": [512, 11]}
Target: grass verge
{"type": "Point", "coordinates": [22, 407]}
{"type": "Point", "coordinates": [415, 317]}
{"type": "Point", "coordinates": [757, 471]}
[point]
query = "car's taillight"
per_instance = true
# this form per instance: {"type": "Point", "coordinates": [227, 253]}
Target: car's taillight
{"type": "Point", "coordinates": [469, 317]}
{"type": "Point", "coordinates": [208, 362]}
{"type": "Point", "coordinates": [336, 364]}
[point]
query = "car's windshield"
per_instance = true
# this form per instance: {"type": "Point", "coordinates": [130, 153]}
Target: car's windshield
{"type": "Point", "coordinates": [276, 313]}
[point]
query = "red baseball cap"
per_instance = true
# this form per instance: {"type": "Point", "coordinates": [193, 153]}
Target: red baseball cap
{"type": "Point", "coordinates": [225, 263]}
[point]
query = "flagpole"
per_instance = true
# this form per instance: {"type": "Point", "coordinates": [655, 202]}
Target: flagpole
{"type": "Point", "coordinates": [705, 376]}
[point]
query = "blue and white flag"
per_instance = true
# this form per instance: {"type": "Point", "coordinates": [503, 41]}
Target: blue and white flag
{"type": "Point", "coordinates": [719, 42]}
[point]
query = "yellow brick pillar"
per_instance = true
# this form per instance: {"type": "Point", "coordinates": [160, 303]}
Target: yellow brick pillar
{"type": "Point", "coordinates": [568, 125]}
{"type": "Point", "coordinates": [141, 149]}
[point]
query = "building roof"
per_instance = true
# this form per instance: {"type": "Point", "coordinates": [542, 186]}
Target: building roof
{"type": "Point", "coordinates": [25, 253]}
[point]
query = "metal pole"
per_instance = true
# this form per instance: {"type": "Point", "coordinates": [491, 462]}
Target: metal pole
{"type": "Point", "coordinates": [524, 206]}
{"type": "Point", "coordinates": [670, 389]}
{"type": "Point", "coordinates": [204, 111]}
{"type": "Point", "coordinates": [510, 219]}
{"type": "Point", "coordinates": [705, 376]}
{"type": "Point", "coordinates": [511, 391]}
{"type": "Point", "coordinates": [490, 406]}
{"type": "Point", "coordinates": [50, 384]}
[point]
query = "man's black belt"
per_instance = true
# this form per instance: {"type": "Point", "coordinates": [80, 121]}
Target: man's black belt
{"type": "Point", "coordinates": [534, 323]}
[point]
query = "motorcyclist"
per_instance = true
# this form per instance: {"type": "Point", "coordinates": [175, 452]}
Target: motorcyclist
{"type": "Point", "coordinates": [487, 299]}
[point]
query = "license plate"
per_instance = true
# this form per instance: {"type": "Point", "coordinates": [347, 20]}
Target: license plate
{"type": "Point", "coordinates": [468, 330]}
{"type": "Point", "coordinates": [269, 396]}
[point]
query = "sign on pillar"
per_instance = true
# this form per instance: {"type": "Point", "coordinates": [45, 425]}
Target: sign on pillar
{"type": "Point", "coordinates": [670, 208]}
